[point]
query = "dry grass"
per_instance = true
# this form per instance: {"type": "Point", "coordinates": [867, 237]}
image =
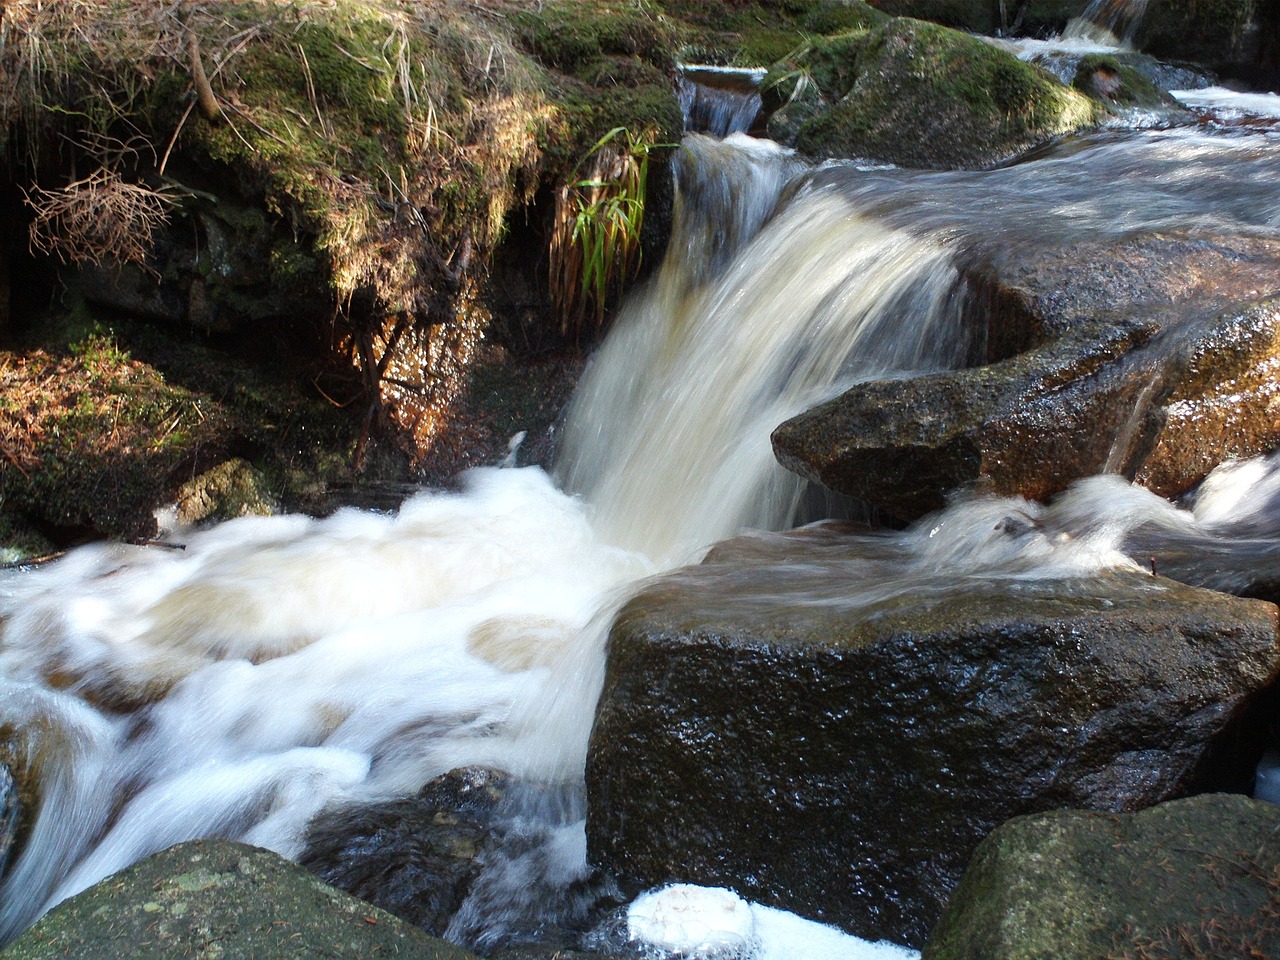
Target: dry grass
{"type": "Point", "coordinates": [100, 218]}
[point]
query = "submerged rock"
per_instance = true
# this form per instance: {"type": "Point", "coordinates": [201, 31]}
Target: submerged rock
{"type": "Point", "coordinates": [823, 731]}
{"type": "Point", "coordinates": [919, 95]}
{"type": "Point", "coordinates": [1193, 878]}
{"type": "Point", "coordinates": [464, 858]}
{"type": "Point", "coordinates": [214, 898]}
{"type": "Point", "coordinates": [415, 857]}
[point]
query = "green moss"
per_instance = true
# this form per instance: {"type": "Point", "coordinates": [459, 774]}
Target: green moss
{"type": "Point", "coordinates": [928, 96]}
{"type": "Point", "coordinates": [566, 34]}
{"type": "Point", "coordinates": [1113, 83]}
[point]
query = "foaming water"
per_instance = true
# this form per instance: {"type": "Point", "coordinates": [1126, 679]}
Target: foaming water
{"type": "Point", "coordinates": [278, 665]}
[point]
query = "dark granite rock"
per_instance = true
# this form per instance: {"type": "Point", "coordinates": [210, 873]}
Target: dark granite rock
{"type": "Point", "coordinates": [829, 734]}
{"type": "Point", "coordinates": [1150, 356]}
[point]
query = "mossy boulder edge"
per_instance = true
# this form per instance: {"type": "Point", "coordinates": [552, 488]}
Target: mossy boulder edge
{"type": "Point", "coordinates": [215, 898]}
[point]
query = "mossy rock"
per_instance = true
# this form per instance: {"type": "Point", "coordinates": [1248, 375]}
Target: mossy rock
{"type": "Point", "coordinates": [759, 33]}
{"type": "Point", "coordinates": [215, 899]}
{"type": "Point", "coordinates": [1187, 879]}
{"type": "Point", "coordinates": [231, 489]}
{"type": "Point", "coordinates": [920, 95]}
{"type": "Point", "coordinates": [1116, 84]}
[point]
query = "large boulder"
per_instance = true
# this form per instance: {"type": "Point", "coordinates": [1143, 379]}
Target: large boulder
{"type": "Point", "coordinates": [215, 898]}
{"type": "Point", "coordinates": [1237, 38]}
{"type": "Point", "coordinates": [1151, 356]}
{"type": "Point", "coordinates": [822, 728]}
{"type": "Point", "coordinates": [1190, 878]}
{"type": "Point", "coordinates": [919, 95]}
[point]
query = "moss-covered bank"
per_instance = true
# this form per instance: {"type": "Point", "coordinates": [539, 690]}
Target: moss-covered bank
{"type": "Point", "coordinates": [330, 225]}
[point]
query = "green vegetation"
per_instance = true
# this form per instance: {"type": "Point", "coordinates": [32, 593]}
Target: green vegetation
{"type": "Point", "coordinates": [595, 248]}
{"type": "Point", "coordinates": [921, 95]}
{"type": "Point", "coordinates": [331, 219]}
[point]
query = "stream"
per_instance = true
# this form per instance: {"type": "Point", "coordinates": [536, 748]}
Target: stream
{"type": "Point", "coordinates": [276, 667]}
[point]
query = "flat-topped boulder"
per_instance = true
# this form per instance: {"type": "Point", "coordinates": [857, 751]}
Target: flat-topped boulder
{"type": "Point", "coordinates": [826, 728]}
{"type": "Point", "coordinates": [1152, 356]}
{"type": "Point", "coordinates": [1188, 878]}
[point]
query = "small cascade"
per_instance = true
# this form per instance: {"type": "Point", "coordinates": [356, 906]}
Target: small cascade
{"type": "Point", "coordinates": [1110, 22]}
{"type": "Point", "coordinates": [668, 435]}
{"type": "Point", "coordinates": [719, 100]}
{"type": "Point", "coordinates": [280, 667]}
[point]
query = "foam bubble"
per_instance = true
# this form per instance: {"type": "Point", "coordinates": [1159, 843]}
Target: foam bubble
{"type": "Point", "coordinates": [693, 921]}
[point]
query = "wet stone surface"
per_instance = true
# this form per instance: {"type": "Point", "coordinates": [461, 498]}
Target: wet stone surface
{"type": "Point", "coordinates": [823, 733]}
{"type": "Point", "coordinates": [213, 899]}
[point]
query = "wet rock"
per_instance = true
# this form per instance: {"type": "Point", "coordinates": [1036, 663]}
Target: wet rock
{"type": "Point", "coordinates": [919, 95]}
{"type": "Point", "coordinates": [1189, 878]}
{"type": "Point", "coordinates": [1029, 425]}
{"type": "Point", "coordinates": [9, 809]}
{"type": "Point", "coordinates": [1236, 38]}
{"type": "Point", "coordinates": [472, 856]}
{"type": "Point", "coordinates": [214, 898]}
{"type": "Point", "coordinates": [1149, 356]}
{"type": "Point", "coordinates": [415, 857]}
{"type": "Point", "coordinates": [231, 489]}
{"type": "Point", "coordinates": [825, 738]}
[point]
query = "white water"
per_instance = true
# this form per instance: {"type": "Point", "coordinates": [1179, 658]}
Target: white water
{"type": "Point", "coordinates": [279, 665]}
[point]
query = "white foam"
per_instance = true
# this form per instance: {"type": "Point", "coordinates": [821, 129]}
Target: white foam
{"type": "Point", "coordinates": [1231, 103]}
{"type": "Point", "coordinates": [702, 923]}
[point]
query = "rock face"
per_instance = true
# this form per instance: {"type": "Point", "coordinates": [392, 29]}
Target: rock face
{"type": "Point", "coordinates": [214, 898]}
{"type": "Point", "coordinates": [1237, 38]}
{"type": "Point", "coordinates": [797, 723]}
{"type": "Point", "coordinates": [1190, 878]}
{"type": "Point", "coordinates": [1154, 359]}
{"type": "Point", "coordinates": [918, 95]}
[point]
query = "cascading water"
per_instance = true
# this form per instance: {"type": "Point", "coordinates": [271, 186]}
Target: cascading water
{"type": "Point", "coordinates": [279, 666]}
{"type": "Point", "coordinates": [719, 100]}
{"type": "Point", "coordinates": [1114, 22]}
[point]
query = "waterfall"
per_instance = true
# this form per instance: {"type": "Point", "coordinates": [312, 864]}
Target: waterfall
{"type": "Point", "coordinates": [277, 667]}
{"type": "Point", "coordinates": [751, 320]}
{"type": "Point", "coordinates": [719, 100]}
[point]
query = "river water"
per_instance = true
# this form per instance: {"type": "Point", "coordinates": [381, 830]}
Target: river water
{"type": "Point", "coordinates": [274, 667]}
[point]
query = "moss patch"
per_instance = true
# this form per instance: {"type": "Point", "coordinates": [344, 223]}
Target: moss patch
{"type": "Point", "coordinates": [921, 95]}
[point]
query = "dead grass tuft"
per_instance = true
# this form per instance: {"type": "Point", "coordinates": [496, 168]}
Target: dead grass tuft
{"type": "Point", "coordinates": [98, 219]}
